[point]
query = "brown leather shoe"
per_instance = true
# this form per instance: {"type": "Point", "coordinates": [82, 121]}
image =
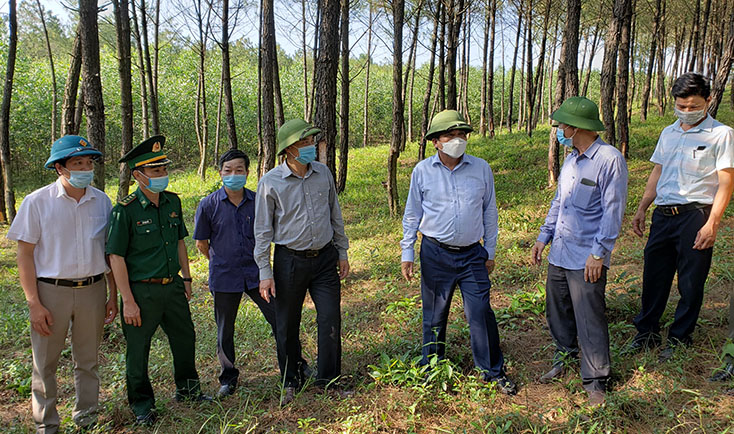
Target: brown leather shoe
{"type": "Point", "coordinates": [597, 398]}
{"type": "Point", "coordinates": [287, 395]}
{"type": "Point", "coordinates": [556, 371]}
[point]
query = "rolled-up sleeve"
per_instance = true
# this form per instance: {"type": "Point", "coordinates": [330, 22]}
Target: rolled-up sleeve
{"type": "Point", "coordinates": [613, 203]}
{"type": "Point", "coordinates": [412, 217]}
{"type": "Point", "coordinates": [264, 209]}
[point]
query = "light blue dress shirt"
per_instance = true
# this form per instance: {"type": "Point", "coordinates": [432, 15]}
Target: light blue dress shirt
{"type": "Point", "coordinates": [456, 207]}
{"type": "Point", "coordinates": [586, 213]}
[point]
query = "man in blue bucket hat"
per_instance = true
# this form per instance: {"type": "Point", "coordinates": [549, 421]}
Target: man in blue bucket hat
{"type": "Point", "coordinates": [60, 230]}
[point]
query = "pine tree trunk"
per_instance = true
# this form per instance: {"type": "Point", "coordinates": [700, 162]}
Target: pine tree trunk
{"type": "Point", "coordinates": [268, 50]}
{"type": "Point", "coordinates": [454, 15]}
{"type": "Point", "coordinates": [490, 67]}
{"type": "Point", "coordinates": [661, 63]}
{"type": "Point", "coordinates": [122, 25]}
{"type": "Point", "coordinates": [53, 71]}
{"type": "Point", "coordinates": [609, 69]}
{"type": "Point", "coordinates": [92, 84]}
{"type": "Point", "coordinates": [325, 80]}
{"type": "Point", "coordinates": [529, 90]}
{"type": "Point", "coordinates": [651, 61]}
{"type": "Point", "coordinates": [693, 46]}
{"type": "Point", "coordinates": [485, 53]}
{"type": "Point", "coordinates": [365, 111]}
{"type": "Point", "coordinates": [71, 88]}
{"type": "Point", "coordinates": [571, 33]}
{"type": "Point", "coordinates": [306, 106]}
{"type": "Point", "coordinates": [341, 180]}
{"type": "Point", "coordinates": [7, 204]}
{"type": "Point", "coordinates": [145, 113]}
{"type": "Point", "coordinates": [398, 10]}
{"type": "Point", "coordinates": [152, 90]}
{"type": "Point", "coordinates": [510, 102]}
{"type": "Point", "coordinates": [429, 84]}
{"type": "Point", "coordinates": [227, 79]}
{"type": "Point", "coordinates": [727, 58]}
{"type": "Point", "coordinates": [623, 67]}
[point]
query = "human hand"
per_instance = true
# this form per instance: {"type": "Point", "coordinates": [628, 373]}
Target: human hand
{"type": "Point", "coordinates": [705, 237]}
{"type": "Point", "coordinates": [490, 265]}
{"type": "Point", "coordinates": [536, 253]}
{"type": "Point", "coordinates": [41, 319]}
{"type": "Point", "coordinates": [592, 269]}
{"type": "Point", "coordinates": [638, 223]}
{"type": "Point", "coordinates": [131, 313]}
{"type": "Point", "coordinates": [267, 289]}
{"type": "Point", "coordinates": [343, 268]}
{"type": "Point", "coordinates": [110, 310]}
{"type": "Point", "coordinates": [406, 267]}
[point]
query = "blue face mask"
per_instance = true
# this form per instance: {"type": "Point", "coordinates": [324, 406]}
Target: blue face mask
{"type": "Point", "coordinates": [157, 185]}
{"type": "Point", "coordinates": [562, 139]}
{"type": "Point", "coordinates": [234, 182]}
{"type": "Point", "coordinates": [80, 178]}
{"type": "Point", "coordinates": [306, 154]}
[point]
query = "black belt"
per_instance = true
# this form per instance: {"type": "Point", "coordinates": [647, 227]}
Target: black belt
{"type": "Point", "coordinates": [450, 248]}
{"type": "Point", "coordinates": [157, 280]}
{"type": "Point", "coordinates": [306, 253]}
{"type": "Point", "coordinates": [672, 210]}
{"type": "Point", "coordinates": [74, 283]}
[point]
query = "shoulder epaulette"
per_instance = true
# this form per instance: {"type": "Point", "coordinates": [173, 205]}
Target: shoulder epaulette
{"type": "Point", "coordinates": [127, 200]}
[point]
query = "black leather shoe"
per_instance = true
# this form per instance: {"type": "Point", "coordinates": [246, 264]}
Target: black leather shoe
{"type": "Point", "coordinates": [643, 342]}
{"type": "Point", "coordinates": [505, 385]}
{"type": "Point", "coordinates": [226, 390]}
{"type": "Point", "coordinates": [725, 373]}
{"type": "Point", "coordinates": [556, 371]}
{"type": "Point", "coordinates": [147, 419]}
{"type": "Point", "coordinates": [288, 395]}
{"type": "Point", "coordinates": [307, 373]}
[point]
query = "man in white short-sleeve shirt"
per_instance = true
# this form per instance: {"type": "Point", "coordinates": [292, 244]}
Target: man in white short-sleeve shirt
{"type": "Point", "coordinates": [60, 230]}
{"type": "Point", "coordinates": [691, 184]}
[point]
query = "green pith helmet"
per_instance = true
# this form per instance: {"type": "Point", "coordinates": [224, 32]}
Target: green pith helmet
{"type": "Point", "coordinates": [447, 120]}
{"type": "Point", "coordinates": [579, 112]}
{"type": "Point", "coordinates": [149, 153]}
{"type": "Point", "coordinates": [293, 131]}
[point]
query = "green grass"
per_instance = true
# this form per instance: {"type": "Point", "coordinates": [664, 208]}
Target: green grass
{"type": "Point", "coordinates": [382, 328]}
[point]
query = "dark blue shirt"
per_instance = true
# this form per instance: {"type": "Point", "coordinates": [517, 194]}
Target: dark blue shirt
{"type": "Point", "coordinates": [229, 229]}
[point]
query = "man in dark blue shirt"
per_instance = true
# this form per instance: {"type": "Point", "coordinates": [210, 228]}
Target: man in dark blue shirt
{"type": "Point", "coordinates": [224, 234]}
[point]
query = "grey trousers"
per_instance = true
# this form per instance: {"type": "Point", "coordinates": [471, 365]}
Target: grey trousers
{"type": "Point", "coordinates": [83, 309]}
{"type": "Point", "coordinates": [575, 311]}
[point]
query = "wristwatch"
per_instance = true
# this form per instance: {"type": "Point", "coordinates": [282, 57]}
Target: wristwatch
{"type": "Point", "coordinates": [187, 279]}
{"type": "Point", "coordinates": [592, 255]}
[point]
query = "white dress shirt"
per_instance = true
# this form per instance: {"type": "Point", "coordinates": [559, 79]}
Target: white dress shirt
{"type": "Point", "coordinates": [69, 235]}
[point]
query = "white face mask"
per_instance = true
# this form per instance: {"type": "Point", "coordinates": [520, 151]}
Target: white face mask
{"type": "Point", "coordinates": [690, 118]}
{"type": "Point", "coordinates": [455, 147]}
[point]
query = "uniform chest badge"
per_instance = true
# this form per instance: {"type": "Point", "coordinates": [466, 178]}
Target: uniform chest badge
{"type": "Point", "coordinates": [173, 215]}
{"type": "Point", "coordinates": [144, 222]}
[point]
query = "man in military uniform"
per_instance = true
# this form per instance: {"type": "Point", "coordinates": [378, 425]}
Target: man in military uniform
{"type": "Point", "coordinates": [146, 249]}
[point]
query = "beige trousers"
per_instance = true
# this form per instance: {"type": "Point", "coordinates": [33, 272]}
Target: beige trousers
{"type": "Point", "coordinates": [82, 310]}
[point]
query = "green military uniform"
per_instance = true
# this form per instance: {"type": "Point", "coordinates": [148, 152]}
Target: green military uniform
{"type": "Point", "coordinates": [147, 237]}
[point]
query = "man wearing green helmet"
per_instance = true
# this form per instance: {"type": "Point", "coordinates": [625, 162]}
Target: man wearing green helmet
{"type": "Point", "coordinates": [297, 209]}
{"type": "Point", "coordinates": [451, 201]}
{"type": "Point", "coordinates": [582, 225]}
{"type": "Point", "coordinates": [60, 232]}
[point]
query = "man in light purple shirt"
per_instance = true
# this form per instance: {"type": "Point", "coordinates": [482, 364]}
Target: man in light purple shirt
{"type": "Point", "coordinates": [583, 224]}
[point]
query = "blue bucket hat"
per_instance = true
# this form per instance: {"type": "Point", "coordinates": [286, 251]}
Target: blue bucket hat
{"type": "Point", "coordinates": [70, 146]}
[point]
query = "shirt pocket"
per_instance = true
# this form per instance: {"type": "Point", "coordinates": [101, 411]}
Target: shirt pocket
{"type": "Point", "coordinates": [147, 236]}
{"type": "Point", "coordinates": [583, 195]}
{"type": "Point", "coordinates": [472, 191]}
{"type": "Point", "coordinates": [699, 161]}
{"type": "Point", "coordinates": [97, 227]}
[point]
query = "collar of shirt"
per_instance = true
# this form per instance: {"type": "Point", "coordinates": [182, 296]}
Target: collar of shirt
{"type": "Point", "coordinates": [436, 160]}
{"type": "Point", "coordinates": [221, 195]}
{"type": "Point", "coordinates": [286, 170]}
{"type": "Point", "coordinates": [61, 192]}
{"type": "Point", "coordinates": [590, 152]}
{"type": "Point", "coordinates": [707, 124]}
{"type": "Point", "coordinates": [145, 202]}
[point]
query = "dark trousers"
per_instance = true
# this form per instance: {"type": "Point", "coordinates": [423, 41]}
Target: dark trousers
{"type": "Point", "coordinates": [294, 275]}
{"type": "Point", "coordinates": [670, 249]}
{"type": "Point", "coordinates": [441, 271]}
{"type": "Point", "coordinates": [163, 305]}
{"type": "Point", "coordinates": [226, 305]}
{"type": "Point", "coordinates": [575, 311]}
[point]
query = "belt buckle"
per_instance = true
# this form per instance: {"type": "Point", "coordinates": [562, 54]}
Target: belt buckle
{"type": "Point", "coordinates": [674, 210]}
{"type": "Point", "coordinates": [312, 253]}
{"type": "Point", "coordinates": [79, 283]}
{"type": "Point", "coordinates": [452, 248]}
{"type": "Point", "coordinates": [166, 280]}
